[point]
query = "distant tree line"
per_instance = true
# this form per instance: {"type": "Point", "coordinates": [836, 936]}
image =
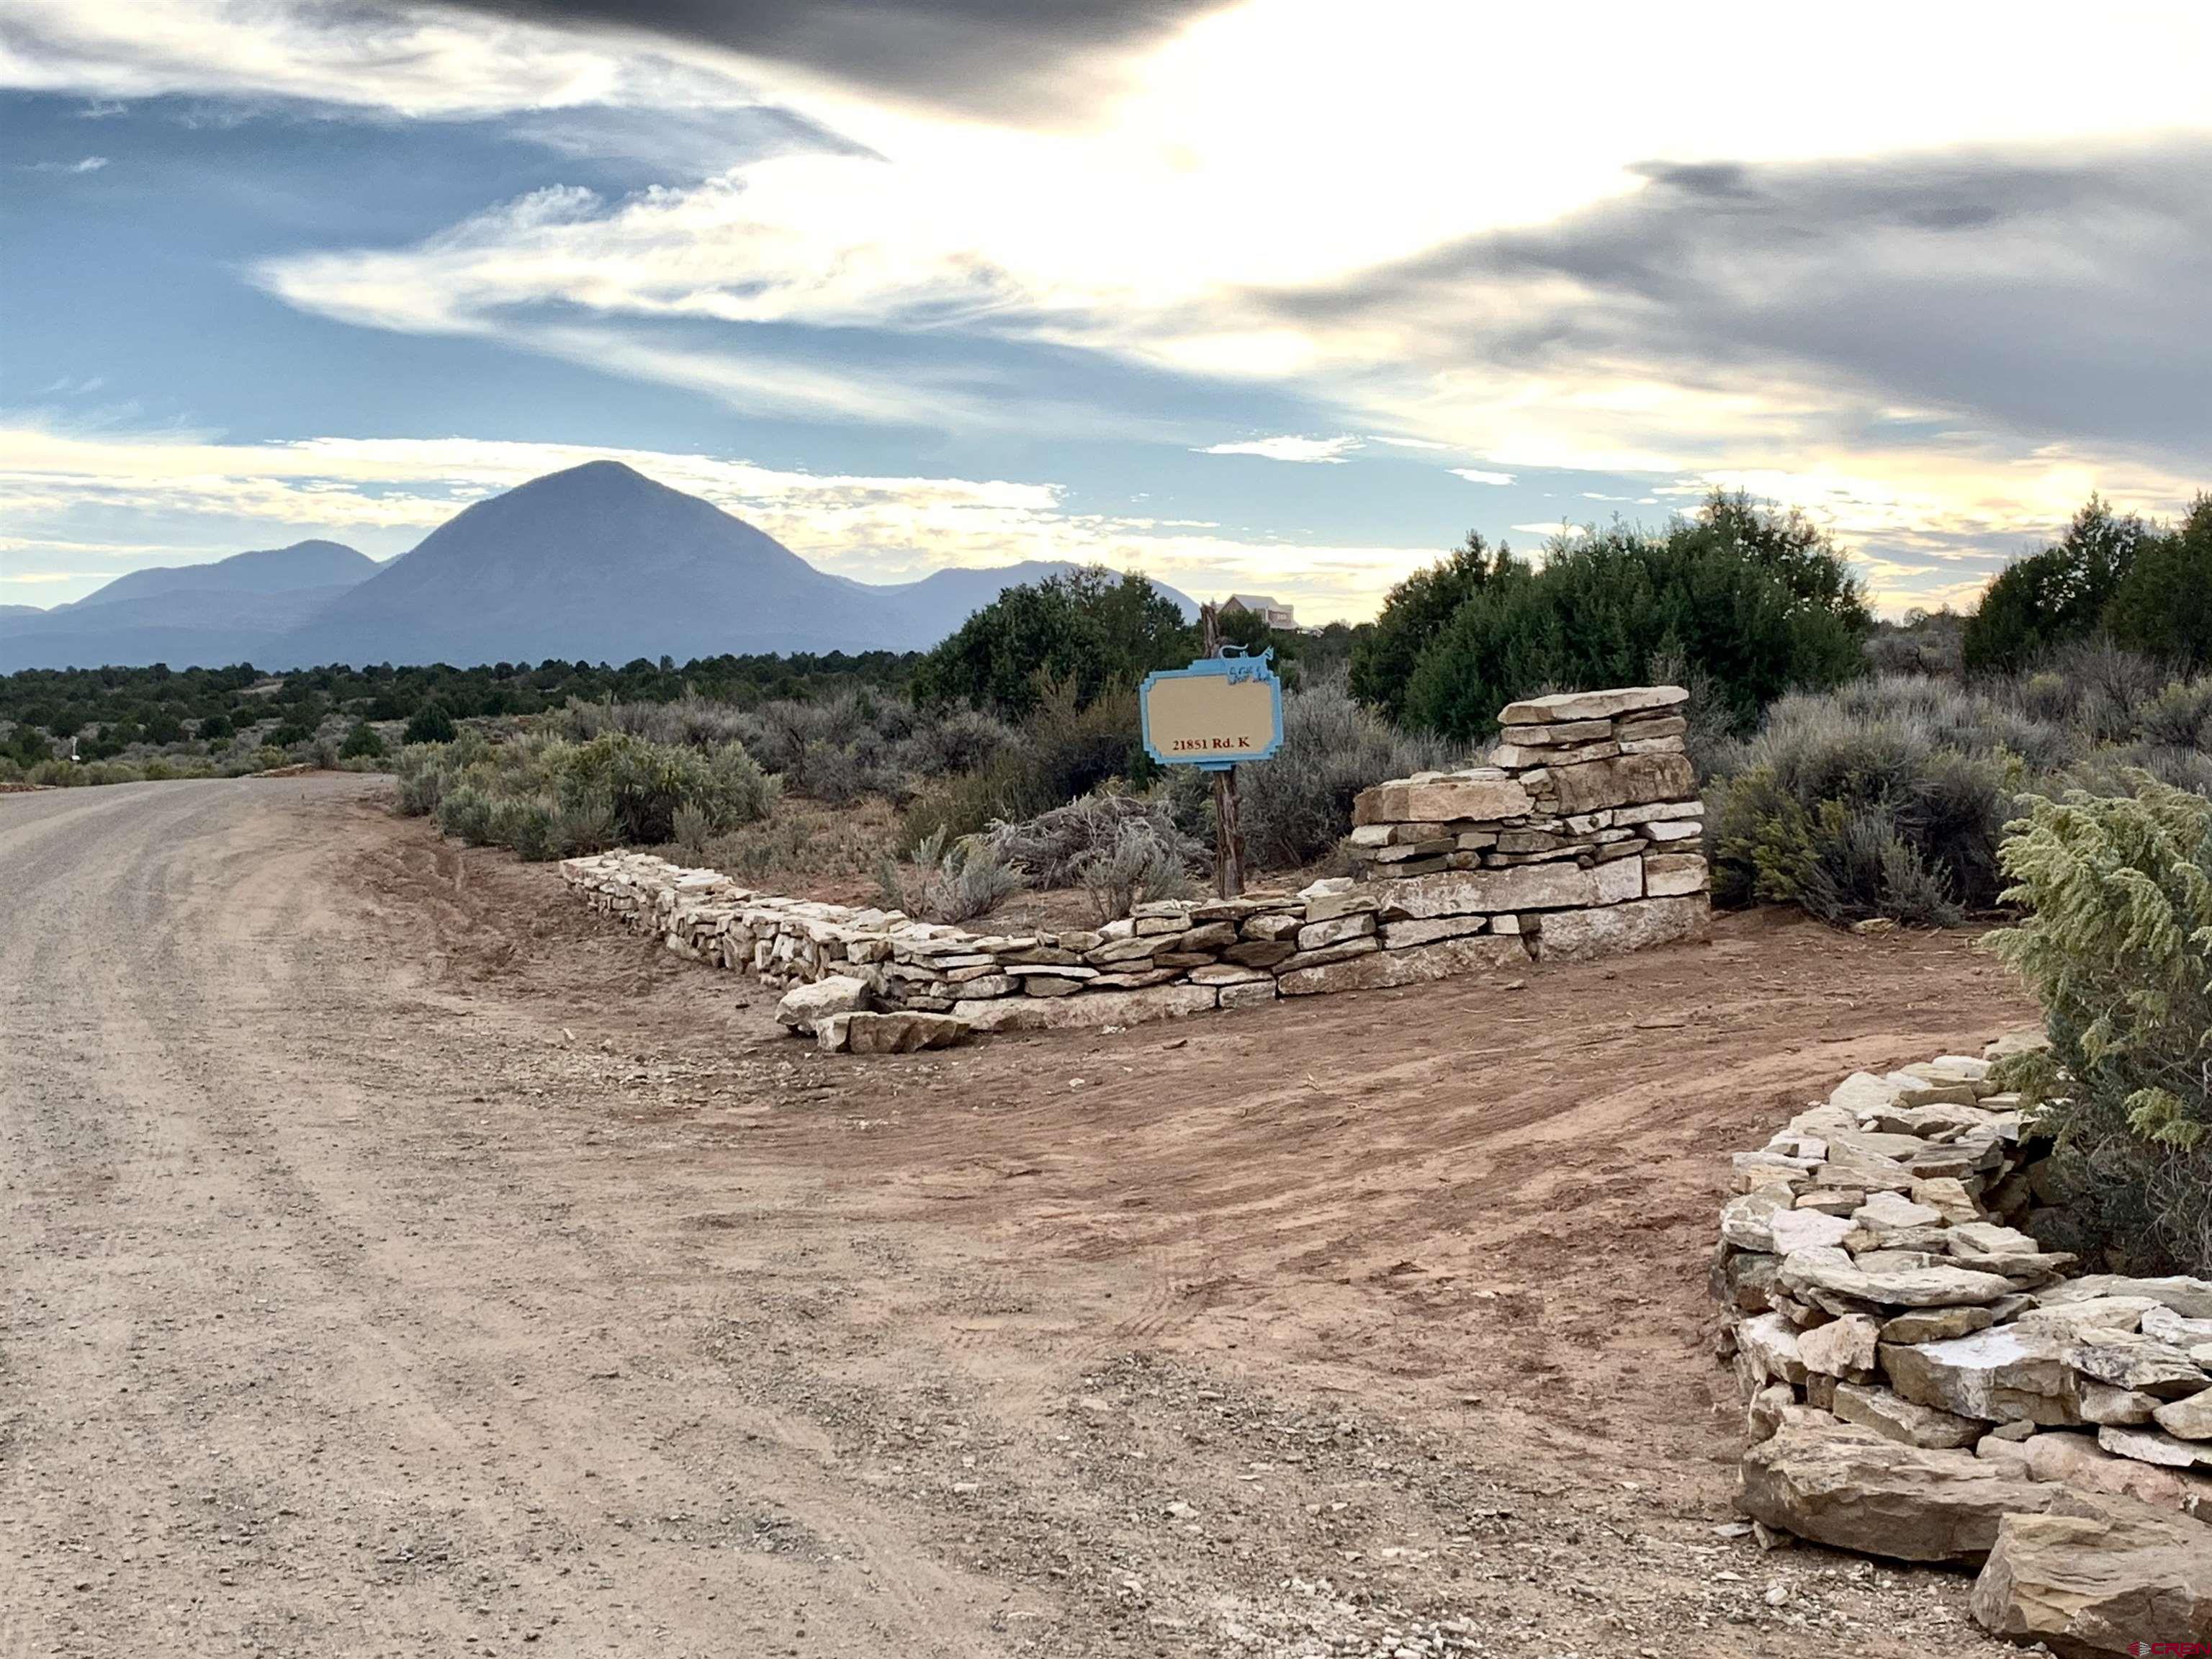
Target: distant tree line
{"type": "Point", "coordinates": [110, 709]}
{"type": "Point", "coordinates": [2147, 587]}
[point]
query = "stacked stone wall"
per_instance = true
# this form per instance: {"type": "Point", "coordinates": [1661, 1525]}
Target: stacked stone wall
{"type": "Point", "coordinates": [1572, 843]}
{"type": "Point", "coordinates": [1582, 835]}
{"type": "Point", "coordinates": [1925, 1381]}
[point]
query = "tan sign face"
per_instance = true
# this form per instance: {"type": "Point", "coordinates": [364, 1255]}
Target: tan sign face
{"type": "Point", "coordinates": [1193, 717]}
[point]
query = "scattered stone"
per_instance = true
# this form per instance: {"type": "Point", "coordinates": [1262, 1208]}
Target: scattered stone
{"type": "Point", "coordinates": [1849, 1487]}
{"type": "Point", "coordinates": [1895, 1417]}
{"type": "Point", "coordinates": [2102, 1403]}
{"type": "Point", "coordinates": [2000, 1375]}
{"type": "Point", "coordinates": [2187, 1419]}
{"type": "Point", "coordinates": [1935, 1324]}
{"type": "Point", "coordinates": [904, 1032]}
{"type": "Point", "coordinates": [2154, 1446]}
{"type": "Point", "coordinates": [2090, 1585]}
{"type": "Point", "coordinates": [2129, 1361]}
{"type": "Point", "coordinates": [1843, 1347]}
{"type": "Point", "coordinates": [803, 1004]}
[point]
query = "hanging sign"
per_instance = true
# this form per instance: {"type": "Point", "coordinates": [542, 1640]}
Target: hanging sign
{"type": "Point", "coordinates": [1219, 713]}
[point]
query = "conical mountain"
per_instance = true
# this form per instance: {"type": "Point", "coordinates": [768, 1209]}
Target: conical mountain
{"type": "Point", "coordinates": [599, 562]}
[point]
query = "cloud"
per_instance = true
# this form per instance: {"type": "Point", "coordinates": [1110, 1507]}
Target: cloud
{"type": "Point", "coordinates": [1476, 475]}
{"type": "Point", "coordinates": [2029, 296]}
{"type": "Point", "coordinates": [1995, 303]}
{"type": "Point", "coordinates": [1287, 448]}
{"type": "Point", "coordinates": [87, 164]}
{"type": "Point", "coordinates": [1004, 57]}
{"type": "Point", "coordinates": [401, 59]}
{"type": "Point", "coordinates": [872, 528]}
{"type": "Point", "coordinates": [51, 576]}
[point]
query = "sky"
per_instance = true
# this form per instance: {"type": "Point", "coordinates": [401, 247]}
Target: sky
{"type": "Point", "coordinates": [1280, 296]}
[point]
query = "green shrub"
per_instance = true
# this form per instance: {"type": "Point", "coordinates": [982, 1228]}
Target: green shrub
{"type": "Point", "coordinates": [2163, 606]}
{"type": "Point", "coordinates": [464, 812]}
{"type": "Point", "coordinates": [2116, 941]}
{"type": "Point", "coordinates": [547, 797]}
{"type": "Point", "coordinates": [361, 743]}
{"type": "Point", "coordinates": [693, 832]}
{"type": "Point", "coordinates": [433, 723]}
{"type": "Point", "coordinates": [528, 827]}
{"type": "Point", "coordinates": [1417, 611]}
{"type": "Point", "coordinates": [1091, 629]}
{"type": "Point", "coordinates": [1760, 602]}
{"type": "Point", "coordinates": [1941, 762]}
{"type": "Point", "coordinates": [585, 823]}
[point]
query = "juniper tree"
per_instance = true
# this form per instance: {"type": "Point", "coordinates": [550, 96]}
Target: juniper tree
{"type": "Point", "coordinates": [2116, 942]}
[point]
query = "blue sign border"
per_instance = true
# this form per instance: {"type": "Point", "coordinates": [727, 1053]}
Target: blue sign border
{"type": "Point", "coordinates": [1236, 669]}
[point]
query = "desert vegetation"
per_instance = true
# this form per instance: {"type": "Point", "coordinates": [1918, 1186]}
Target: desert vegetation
{"type": "Point", "coordinates": [1861, 769]}
{"type": "Point", "coordinates": [2115, 937]}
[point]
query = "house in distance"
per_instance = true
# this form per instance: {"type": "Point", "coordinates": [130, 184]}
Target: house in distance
{"type": "Point", "coordinates": [1273, 612]}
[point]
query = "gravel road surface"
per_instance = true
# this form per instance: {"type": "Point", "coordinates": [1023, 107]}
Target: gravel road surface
{"type": "Point", "coordinates": [395, 1261]}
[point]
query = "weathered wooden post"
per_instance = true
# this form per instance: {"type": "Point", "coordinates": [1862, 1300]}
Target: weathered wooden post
{"type": "Point", "coordinates": [1222, 709]}
{"type": "Point", "coordinates": [1228, 834]}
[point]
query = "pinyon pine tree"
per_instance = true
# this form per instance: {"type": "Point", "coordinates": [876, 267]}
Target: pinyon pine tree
{"type": "Point", "coordinates": [2117, 943]}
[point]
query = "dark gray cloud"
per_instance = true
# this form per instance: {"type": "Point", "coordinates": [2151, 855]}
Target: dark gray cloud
{"type": "Point", "coordinates": [1034, 58]}
{"type": "Point", "coordinates": [2063, 297]}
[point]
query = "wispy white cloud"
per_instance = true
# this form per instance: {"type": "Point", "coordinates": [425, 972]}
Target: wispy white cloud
{"type": "Point", "coordinates": [85, 164]}
{"type": "Point", "coordinates": [1476, 475]}
{"type": "Point", "coordinates": [1200, 217]}
{"type": "Point", "coordinates": [1287, 448]}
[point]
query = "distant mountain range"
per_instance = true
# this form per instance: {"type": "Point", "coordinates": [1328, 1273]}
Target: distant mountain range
{"type": "Point", "coordinates": [597, 563]}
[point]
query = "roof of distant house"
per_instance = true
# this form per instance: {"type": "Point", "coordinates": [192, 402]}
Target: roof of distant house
{"type": "Point", "coordinates": [1257, 602]}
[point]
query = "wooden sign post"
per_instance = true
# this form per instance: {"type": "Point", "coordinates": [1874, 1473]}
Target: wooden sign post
{"type": "Point", "coordinates": [1222, 709]}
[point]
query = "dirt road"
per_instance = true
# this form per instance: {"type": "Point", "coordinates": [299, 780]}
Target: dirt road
{"type": "Point", "coordinates": [394, 1261]}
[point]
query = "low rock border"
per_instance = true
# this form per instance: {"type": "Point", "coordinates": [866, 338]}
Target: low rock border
{"type": "Point", "coordinates": [1577, 841]}
{"type": "Point", "coordinates": [1924, 1382]}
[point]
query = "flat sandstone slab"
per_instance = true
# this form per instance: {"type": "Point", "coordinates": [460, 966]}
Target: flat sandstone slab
{"type": "Point", "coordinates": [1089, 1008]}
{"type": "Point", "coordinates": [1441, 800]}
{"type": "Point", "coordinates": [1553, 886]}
{"type": "Point", "coordinates": [1591, 705]}
{"type": "Point", "coordinates": [1414, 966]}
{"type": "Point", "coordinates": [1580, 935]}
